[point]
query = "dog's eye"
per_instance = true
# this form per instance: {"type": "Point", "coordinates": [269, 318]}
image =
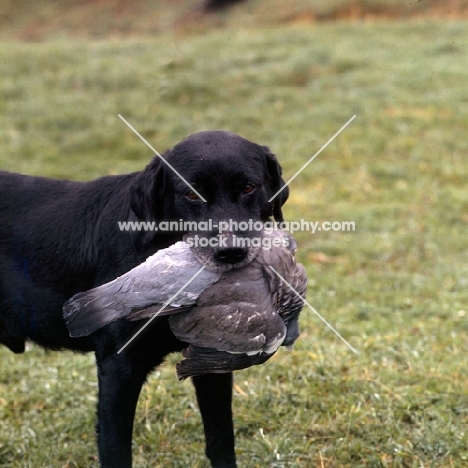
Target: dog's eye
{"type": "Point", "coordinates": [192, 195]}
{"type": "Point", "coordinates": [248, 188]}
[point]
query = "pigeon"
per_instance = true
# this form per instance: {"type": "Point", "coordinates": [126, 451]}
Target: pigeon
{"type": "Point", "coordinates": [231, 319]}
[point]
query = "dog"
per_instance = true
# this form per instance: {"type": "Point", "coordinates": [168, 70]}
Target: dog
{"type": "Point", "coordinates": [60, 237]}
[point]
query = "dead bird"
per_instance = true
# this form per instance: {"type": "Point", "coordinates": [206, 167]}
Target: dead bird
{"type": "Point", "coordinates": [230, 319]}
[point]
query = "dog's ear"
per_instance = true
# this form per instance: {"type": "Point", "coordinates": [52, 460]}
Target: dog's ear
{"type": "Point", "coordinates": [274, 172]}
{"type": "Point", "coordinates": [147, 192]}
{"type": "Point", "coordinates": [147, 203]}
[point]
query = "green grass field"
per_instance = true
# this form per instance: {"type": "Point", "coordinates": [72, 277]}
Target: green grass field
{"type": "Point", "coordinates": [396, 288]}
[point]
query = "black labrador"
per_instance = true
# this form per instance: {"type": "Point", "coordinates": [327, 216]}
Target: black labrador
{"type": "Point", "coordinates": [60, 237]}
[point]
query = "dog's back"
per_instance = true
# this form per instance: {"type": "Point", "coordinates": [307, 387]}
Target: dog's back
{"type": "Point", "coordinates": [49, 250]}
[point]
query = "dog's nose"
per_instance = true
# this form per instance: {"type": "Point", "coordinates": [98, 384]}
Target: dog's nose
{"type": "Point", "coordinates": [231, 254]}
{"type": "Point", "coordinates": [229, 250]}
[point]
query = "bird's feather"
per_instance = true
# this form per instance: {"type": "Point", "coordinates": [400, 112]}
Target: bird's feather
{"type": "Point", "coordinates": [199, 360]}
{"type": "Point", "coordinates": [155, 281]}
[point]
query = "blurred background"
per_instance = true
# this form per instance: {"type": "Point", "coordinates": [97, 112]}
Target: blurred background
{"type": "Point", "coordinates": [287, 75]}
{"type": "Point", "coordinates": [35, 21]}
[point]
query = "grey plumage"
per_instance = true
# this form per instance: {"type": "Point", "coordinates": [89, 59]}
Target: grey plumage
{"type": "Point", "coordinates": [231, 320]}
{"type": "Point", "coordinates": [155, 281]}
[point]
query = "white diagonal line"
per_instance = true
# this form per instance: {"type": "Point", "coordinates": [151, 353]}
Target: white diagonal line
{"type": "Point", "coordinates": [157, 154]}
{"type": "Point", "coordinates": [315, 312]}
{"type": "Point", "coordinates": [161, 309]}
{"type": "Point", "coordinates": [312, 158]}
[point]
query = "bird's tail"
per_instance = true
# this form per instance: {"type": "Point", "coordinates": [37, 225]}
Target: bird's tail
{"type": "Point", "coordinates": [91, 310]}
{"type": "Point", "coordinates": [200, 361]}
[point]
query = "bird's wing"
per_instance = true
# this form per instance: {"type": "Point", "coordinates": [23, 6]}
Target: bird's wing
{"type": "Point", "coordinates": [287, 302]}
{"type": "Point", "coordinates": [241, 327]}
{"type": "Point", "coordinates": [236, 285]}
{"type": "Point", "coordinates": [155, 281]}
{"type": "Point", "coordinates": [156, 309]}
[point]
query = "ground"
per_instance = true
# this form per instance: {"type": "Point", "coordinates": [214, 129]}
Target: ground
{"type": "Point", "coordinates": [395, 288]}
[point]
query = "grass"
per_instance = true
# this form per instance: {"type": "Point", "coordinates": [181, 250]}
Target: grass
{"type": "Point", "coordinates": [396, 288]}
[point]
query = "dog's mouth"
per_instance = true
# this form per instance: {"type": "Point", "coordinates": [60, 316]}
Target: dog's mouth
{"type": "Point", "coordinates": [223, 252]}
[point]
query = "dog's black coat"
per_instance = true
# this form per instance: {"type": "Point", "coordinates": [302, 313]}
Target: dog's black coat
{"type": "Point", "coordinates": [60, 237]}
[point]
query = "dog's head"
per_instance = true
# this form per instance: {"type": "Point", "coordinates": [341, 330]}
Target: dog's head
{"type": "Point", "coordinates": [236, 177]}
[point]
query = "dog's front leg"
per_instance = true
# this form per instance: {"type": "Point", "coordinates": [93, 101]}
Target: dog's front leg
{"type": "Point", "coordinates": [119, 388]}
{"type": "Point", "coordinates": [214, 395]}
